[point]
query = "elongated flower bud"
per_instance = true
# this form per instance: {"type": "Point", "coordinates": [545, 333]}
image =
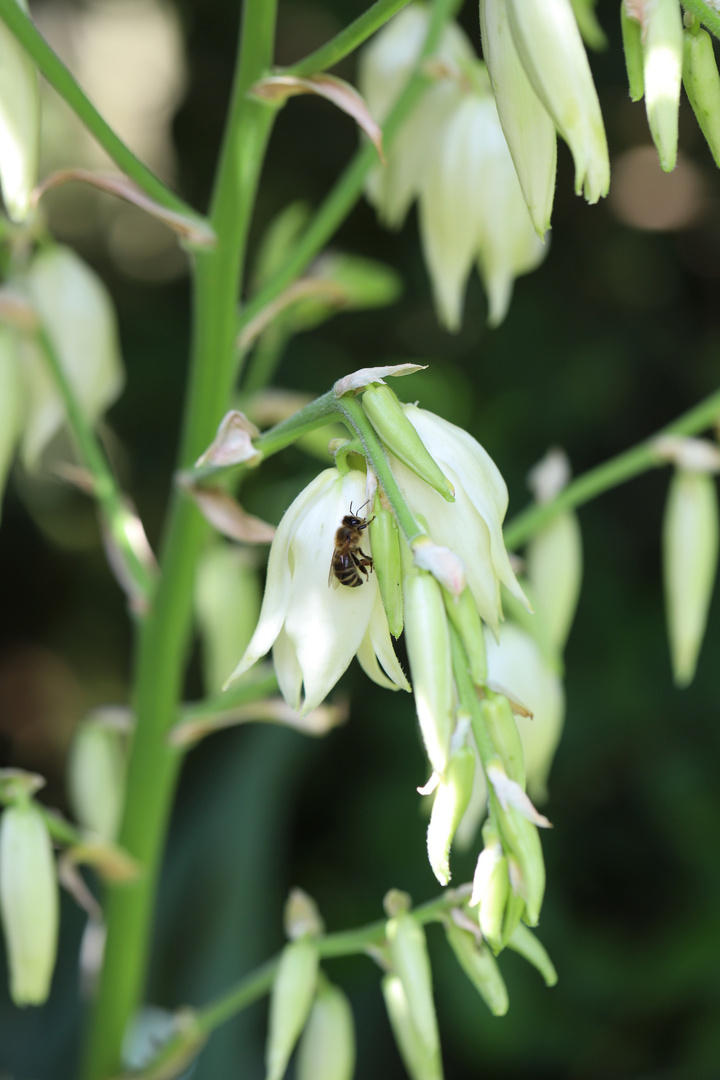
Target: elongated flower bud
{"type": "Point", "coordinates": [19, 122]}
{"type": "Point", "coordinates": [385, 543]}
{"type": "Point", "coordinates": [690, 555]}
{"type": "Point", "coordinates": [452, 796]}
{"type": "Point", "coordinates": [500, 724]}
{"type": "Point", "coordinates": [96, 777]}
{"type": "Point", "coordinates": [702, 85]}
{"type": "Point", "coordinates": [662, 70]}
{"type": "Point", "coordinates": [526, 123]}
{"type": "Point", "coordinates": [465, 617]}
{"type": "Point", "coordinates": [526, 867]}
{"type": "Point", "coordinates": [480, 966]}
{"type": "Point", "coordinates": [549, 44]}
{"type": "Point", "coordinates": [410, 960]}
{"type": "Point", "coordinates": [29, 902]}
{"type": "Point", "coordinates": [227, 598]}
{"type": "Point", "coordinates": [290, 1003]}
{"type": "Point", "coordinates": [554, 568]}
{"type": "Point", "coordinates": [420, 1064]}
{"type": "Point", "coordinates": [12, 400]}
{"type": "Point", "coordinates": [397, 433]}
{"type": "Point", "coordinates": [327, 1046]}
{"type": "Point", "coordinates": [632, 44]}
{"type": "Point", "coordinates": [428, 645]}
{"type": "Point", "coordinates": [499, 909]}
{"type": "Point", "coordinates": [524, 942]}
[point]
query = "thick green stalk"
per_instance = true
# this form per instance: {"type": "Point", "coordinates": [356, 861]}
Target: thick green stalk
{"type": "Point", "coordinates": [707, 15]}
{"type": "Point", "coordinates": [61, 80]}
{"type": "Point", "coordinates": [164, 639]}
{"type": "Point", "coordinates": [611, 473]}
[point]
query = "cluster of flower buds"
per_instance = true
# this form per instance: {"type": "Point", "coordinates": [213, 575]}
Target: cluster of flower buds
{"type": "Point", "coordinates": [479, 149]}
{"type": "Point", "coordinates": [58, 298]}
{"type": "Point", "coordinates": [430, 560]}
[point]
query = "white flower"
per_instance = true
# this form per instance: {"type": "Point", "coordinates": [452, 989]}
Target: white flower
{"type": "Point", "coordinates": [472, 525]}
{"type": "Point", "coordinates": [313, 628]}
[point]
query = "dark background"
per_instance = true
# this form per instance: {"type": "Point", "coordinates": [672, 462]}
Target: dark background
{"type": "Point", "coordinates": [616, 334]}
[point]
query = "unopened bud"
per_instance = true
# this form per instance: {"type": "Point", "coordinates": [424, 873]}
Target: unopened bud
{"type": "Point", "coordinates": [465, 617]}
{"type": "Point", "coordinates": [12, 401]}
{"type": "Point", "coordinates": [19, 122]}
{"type": "Point", "coordinates": [385, 544]}
{"type": "Point", "coordinates": [428, 645]}
{"type": "Point", "coordinates": [419, 1063]}
{"type": "Point", "coordinates": [499, 909]}
{"type": "Point", "coordinates": [497, 716]}
{"type": "Point", "coordinates": [302, 916]}
{"type": "Point", "coordinates": [397, 433]}
{"type": "Point", "coordinates": [96, 777]}
{"type": "Point", "coordinates": [291, 999]}
{"type": "Point", "coordinates": [451, 800]}
{"type": "Point", "coordinates": [227, 599]}
{"type": "Point", "coordinates": [702, 85]}
{"type": "Point", "coordinates": [632, 44]}
{"type": "Point", "coordinates": [662, 37]}
{"type": "Point", "coordinates": [480, 966]}
{"type": "Point", "coordinates": [524, 942]}
{"type": "Point", "coordinates": [554, 568]}
{"type": "Point", "coordinates": [526, 867]}
{"type": "Point", "coordinates": [327, 1046]}
{"type": "Point", "coordinates": [410, 960]}
{"type": "Point", "coordinates": [29, 902]}
{"type": "Point", "coordinates": [690, 555]}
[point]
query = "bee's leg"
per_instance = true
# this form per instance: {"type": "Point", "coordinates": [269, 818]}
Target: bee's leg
{"type": "Point", "coordinates": [362, 562]}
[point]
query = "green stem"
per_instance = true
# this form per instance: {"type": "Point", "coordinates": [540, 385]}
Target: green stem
{"type": "Point", "coordinates": [708, 16]}
{"type": "Point", "coordinates": [114, 510]}
{"type": "Point", "coordinates": [348, 39]}
{"type": "Point", "coordinates": [52, 67]}
{"type": "Point", "coordinates": [164, 641]}
{"type": "Point", "coordinates": [348, 188]}
{"type": "Point", "coordinates": [610, 474]}
{"type": "Point", "coordinates": [321, 411]}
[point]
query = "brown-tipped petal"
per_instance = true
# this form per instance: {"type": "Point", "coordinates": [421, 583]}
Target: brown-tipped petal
{"type": "Point", "coordinates": [232, 444]}
{"type": "Point", "coordinates": [227, 515]}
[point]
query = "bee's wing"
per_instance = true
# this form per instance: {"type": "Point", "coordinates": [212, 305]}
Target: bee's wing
{"type": "Point", "coordinates": [332, 579]}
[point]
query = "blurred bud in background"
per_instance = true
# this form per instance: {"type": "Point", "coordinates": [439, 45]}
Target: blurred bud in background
{"type": "Point", "coordinates": [19, 123]}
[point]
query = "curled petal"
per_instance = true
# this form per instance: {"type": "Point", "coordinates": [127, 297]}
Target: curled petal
{"type": "Point", "coordinates": [365, 376]}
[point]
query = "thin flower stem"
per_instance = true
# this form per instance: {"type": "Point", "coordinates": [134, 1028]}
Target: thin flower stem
{"type": "Point", "coordinates": [707, 15]}
{"type": "Point", "coordinates": [321, 411]}
{"type": "Point", "coordinates": [112, 505]}
{"type": "Point", "coordinates": [348, 39]}
{"type": "Point", "coordinates": [52, 67]}
{"type": "Point", "coordinates": [469, 699]}
{"type": "Point", "coordinates": [610, 474]}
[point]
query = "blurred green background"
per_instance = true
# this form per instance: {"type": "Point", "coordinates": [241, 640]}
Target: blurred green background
{"type": "Point", "coordinates": [617, 333]}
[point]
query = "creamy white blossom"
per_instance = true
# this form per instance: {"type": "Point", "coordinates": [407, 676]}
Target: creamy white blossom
{"type": "Point", "coordinates": [313, 628]}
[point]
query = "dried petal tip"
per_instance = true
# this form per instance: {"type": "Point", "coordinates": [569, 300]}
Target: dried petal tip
{"type": "Point", "coordinates": [358, 380]}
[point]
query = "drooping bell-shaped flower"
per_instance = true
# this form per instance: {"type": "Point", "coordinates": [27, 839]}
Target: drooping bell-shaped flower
{"type": "Point", "coordinates": [314, 626]}
{"type": "Point", "coordinates": [472, 209]}
{"type": "Point", "coordinates": [19, 122]}
{"type": "Point", "coordinates": [472, 525]}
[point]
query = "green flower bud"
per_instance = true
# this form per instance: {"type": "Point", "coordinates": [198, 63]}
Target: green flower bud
{"type": "Point", "coordinates": [480, 966]}
{"type": "Point", "coordinates": [397, 433]}
{"type": "Point", "coordinates": [588, 25]}
{"type": "Point", "coordinates": [526, 867]}
{"type": "Point", "coordinates": [524, 942]}
{"type": "Point", "coordinates": [452, 796]}
{"type": "Point", "coordinates": [500, 909]}
{"type": "Point", "coordinates": [662, 37]}
{"type": "Point", "coordinates": [291, 999]}
{"type": "Point", "coordinates": [12, 401]}
{"type": "Point", "coordinates": [227, 600]}
{"type": "Point", "coordinates": [554, 568]}
{"type": "Point", "coordinates": [465, 617]}
{"type": "Point", "coordinates": [410, 960]}
{"type": "Point", "coordinates": [632, 44]}
{"type": "Point", "coordinates": [385, 544]}
{"type": "Point", "coordinates": [419, 1064]}
{"type": "Point", "coordinates": [29, 902]}
{"type": "Point", "coordinates": [690, 555]}
{"type": "Point", "coordinates": [96, 777]}
{"type": "Point", "coordinates": [19, 122]}
{"type": "Point", "coordinates": [702, 85]}
{"type": "Point", "coordinates": [500, 724]}
{"type": "Point", "coordinates": [428, 644]}
{"type": "Point", "coordinates": [327, 1046]}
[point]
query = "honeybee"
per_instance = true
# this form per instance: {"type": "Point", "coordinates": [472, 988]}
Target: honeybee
{"type": "Point", "coordinates": [349, 561]}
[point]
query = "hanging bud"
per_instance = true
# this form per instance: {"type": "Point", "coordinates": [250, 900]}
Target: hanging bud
{"type": "Point", "coordinates": [12, 401]}
{"type": "Point", "coordinates": [397, 433]}
{"type": "Point", "coordinates": [554, 568]}
{"type": "Point", "coordinates": [548, 41]}
{"type": "Point", "coordinates": [29, 902]}
{"type": "Point", "coordinates": [526, 867]}
{"type": "Point", "coordinates": [419, 1064]}
{"type": "Point", "coordinates": [227, 600]}
{"type": "Point", "coordinates": [410, 960]}
{"type": "Point", "coordinates": [428, 645]}
{"type": "Point", "coordinates": [524, 942]}
{"type": "Point", "coordinates": [690, 555]}
{"type": "Point", "coordinates": [291, 999]}
{"type": "Point", "coordinates": [480, 966]}
{"type": "Point", "coordinates": [385, 544]}
{"type": "Point", "coordinates": [327, 1045]}
{"type": "Point", "coordinates": [465, 617]}
{"type": "Point", "coordinates": [497, 716]}
{"type": "Point", "coordinates": [96, 776]}
{"type": "Point", "coordinates": [452, 796]}
{"type": "Point", "coordinates": [19, 122]}
{"type": "Point", "coordinates": [632, 44]}
{"type": "Point", "coordinates": [78, 315]}
{"type": "Point", "coordinates": [528, 127]}
{"type": "Point", "coordinates": [662, 41]}
{"type": "Point", "coordinates": [702, 85]}
{"type": "Point", "coordinates": [499, 909]}
{"type": "Point", "coordinates": [588, 25]}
